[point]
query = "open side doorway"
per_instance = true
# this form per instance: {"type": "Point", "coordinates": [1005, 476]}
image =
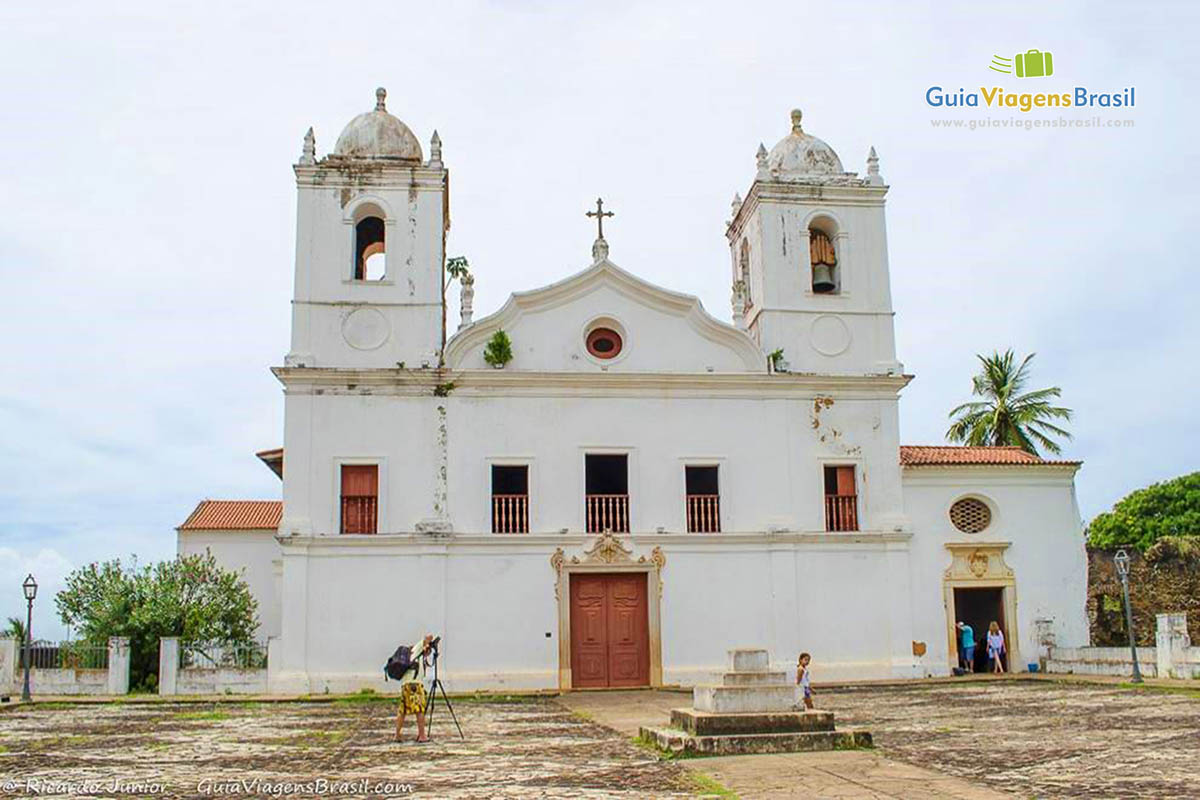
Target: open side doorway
{"type": "Point", "coordinates": [979, 587]}
{"type": "Point", "coordinates": [979, 608]}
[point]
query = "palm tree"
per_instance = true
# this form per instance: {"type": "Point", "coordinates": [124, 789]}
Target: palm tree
{"type": "Point", "coordinates": [15, 629]}
{"type": "Point", "coordinates": [1007, 415]}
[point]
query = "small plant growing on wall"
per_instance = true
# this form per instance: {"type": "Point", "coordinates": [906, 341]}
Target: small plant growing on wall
{"type": "Point", "coordinates": [778, 364]}
{"type": "Point", "coordinates": [499, 350]}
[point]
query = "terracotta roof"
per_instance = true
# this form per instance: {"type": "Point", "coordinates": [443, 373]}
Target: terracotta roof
{"type": "Point", "coordinates": [234, 515]}
{"type": "Point", "coordinates": [952, 455]}
{"type": "Point", "coordinates": [273, 458]}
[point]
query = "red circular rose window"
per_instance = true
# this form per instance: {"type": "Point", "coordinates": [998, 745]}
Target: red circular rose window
{"type": "Point", "coordinates": [604, 343]}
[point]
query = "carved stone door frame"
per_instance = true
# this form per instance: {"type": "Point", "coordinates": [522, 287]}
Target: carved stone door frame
{"type": "Point", "coordinates": [981, 565]}
{"type": "Point", "coordinates": [607, 555]}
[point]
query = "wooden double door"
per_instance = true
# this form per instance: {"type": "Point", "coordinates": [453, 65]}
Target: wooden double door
{"type": "Point", "coordinates": [610, 630]}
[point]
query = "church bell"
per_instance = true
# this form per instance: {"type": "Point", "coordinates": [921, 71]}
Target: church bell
{"type": "Point", "coordinates": [823, 279]}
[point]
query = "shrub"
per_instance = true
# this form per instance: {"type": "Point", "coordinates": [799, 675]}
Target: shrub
{"type": "Point", "coordinates": [499, 349]}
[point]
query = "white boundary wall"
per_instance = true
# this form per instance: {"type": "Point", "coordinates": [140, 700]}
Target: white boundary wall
{"type": "Point", "coordinates": [111, 681]}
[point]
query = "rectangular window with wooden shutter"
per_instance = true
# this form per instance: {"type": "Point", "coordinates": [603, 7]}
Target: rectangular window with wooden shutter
{"type": "Point", "coordinates": [360, 498]}
{"type": "Point", "coordinates": [841, 499]}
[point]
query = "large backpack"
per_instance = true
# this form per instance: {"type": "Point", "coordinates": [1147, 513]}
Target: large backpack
{"type": "Point", "coordinates": [398, 664]}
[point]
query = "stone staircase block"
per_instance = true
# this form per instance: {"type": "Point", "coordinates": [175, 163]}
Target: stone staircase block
{"type": "Point", "coordinates": [746, 699]}
{"type": "Point", "coordinates": [699, 723]}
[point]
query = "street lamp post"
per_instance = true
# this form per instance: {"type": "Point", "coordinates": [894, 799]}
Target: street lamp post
{"type": "Point", "coordinates": [29, 587]}
{"type": "Point", "coordinates": [1121, 559]}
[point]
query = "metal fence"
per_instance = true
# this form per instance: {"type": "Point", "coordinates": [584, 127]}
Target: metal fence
{"type": "Point", "coordinates": [222, 655]}
{"type": "Point", "coordinates": [66, 655]}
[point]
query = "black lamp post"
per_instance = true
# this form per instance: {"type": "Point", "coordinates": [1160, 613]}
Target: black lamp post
{"type": "Point", "coordinates": [1121, 560]}
{"type": "Point", "coordinates": [30, 589]}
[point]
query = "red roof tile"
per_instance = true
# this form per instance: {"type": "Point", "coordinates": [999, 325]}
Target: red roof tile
{"type": "Point", "coordinates": [953, 455]}
{"type": "Point", "coordinates": [234, 515]}
{"type": "Point", "coordinates": [273, 458]}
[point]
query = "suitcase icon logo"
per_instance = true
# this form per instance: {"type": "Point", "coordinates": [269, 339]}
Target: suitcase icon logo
{"type": "Point", "coordinates": [1030, 64]}
{"type": "Point", "coordinates": [1034, 64]}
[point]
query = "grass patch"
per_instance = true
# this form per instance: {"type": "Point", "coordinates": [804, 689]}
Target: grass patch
{"type": "Point", "coordinates": [208, 716]}
{"type": "Point", "coordinates": [3, 749]}
{"type": "Point", "coordinates": [481, 697]}
{"type": "Point", "coordinates": [648, 744]}
{"type": "Point", "coordinates": [55, 742]}
{"type": "Point", "coordinates": [56, 705]}
{"type": "Point", "coordinates": [851, 744]}
{"type": "Point", "coordinates": [583, 715]}
{"type": "Point", "coordinates": [707, 786]}
{"type": "Point", "coordinates": [365, 696]}
{"type": "Point", "coordinates": [313, 738]}
{"type": "Point", "coordinates": [1186, 691]}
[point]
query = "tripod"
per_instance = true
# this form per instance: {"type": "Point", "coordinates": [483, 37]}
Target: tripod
{"type": "Point", "coordinates": [434, 688]}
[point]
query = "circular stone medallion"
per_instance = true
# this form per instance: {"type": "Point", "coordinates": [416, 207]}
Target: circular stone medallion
{"type": "Point", "coordinates": [829, 335]}
{"type": "Point", "coordinates": [365, 329]}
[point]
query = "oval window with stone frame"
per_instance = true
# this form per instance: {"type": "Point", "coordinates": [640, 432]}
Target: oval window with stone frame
{"type": "Point", "coordinates": [604, 343]}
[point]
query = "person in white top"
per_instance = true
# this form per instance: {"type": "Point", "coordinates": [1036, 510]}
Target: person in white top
{"type": "Point", "coordinates": [995, 647]}
{"type": "Point", "coordinates": [803, 679]}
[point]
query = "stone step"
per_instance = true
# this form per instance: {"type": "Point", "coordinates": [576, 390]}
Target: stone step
{"type": "Point", "coordinates": [755, 678]}
{"type": "Point", "coordinates": [678, 741]}
{"type": "Point", "coordinates": [699, 723]}
{"type": "Point", "coordinates": [746, 699]}
{"type": "Point", "coordinates": [748, 660]}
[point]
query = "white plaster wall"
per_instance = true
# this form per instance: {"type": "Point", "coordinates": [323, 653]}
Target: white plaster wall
{"type": "Point", "coordinates": [770, 451]}
{"type": "Point", "coordinates": [1035, 510]}
{"type": "Point", "coordinates": [1101, 661]}
{"type": "Point", "coordinates": [367, 595]}
{"type": "Point", "coordinates": [68, 681]}
{"type": "Point", "coordinates": [195, 680]}
{"type": "Point", "coordinates": [776, 222]}
{"type": "Point", "coordinates": [409, 299]}
{"type": "Point", "coordinates": [9, 665]}
{"type": "Point", "coordinates": [553, 339]}
{"type": "Point", "coordinates": [255, 555]}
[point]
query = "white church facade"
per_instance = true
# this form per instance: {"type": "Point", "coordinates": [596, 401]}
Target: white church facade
{"type": "Point", "coordinates": [642, 485]}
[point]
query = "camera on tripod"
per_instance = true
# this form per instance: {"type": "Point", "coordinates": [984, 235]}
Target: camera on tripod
{"type": "Point", "coordinates": [405, 660]}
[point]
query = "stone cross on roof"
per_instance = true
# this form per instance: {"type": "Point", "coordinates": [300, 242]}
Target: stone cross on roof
{"type": "Point", "coordinates": [599, 247]}
{"type": "Point", "coordinates": [600, 214]}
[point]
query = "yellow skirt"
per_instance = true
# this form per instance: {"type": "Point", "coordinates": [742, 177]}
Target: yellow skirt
{"type": "Point", "coordinates": [412, 699]}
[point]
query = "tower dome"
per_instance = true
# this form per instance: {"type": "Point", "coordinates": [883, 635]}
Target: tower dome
{"type": "Point", "coordinates": [800, 155]}
{"type": "Point", "coordinates": [377, 134]}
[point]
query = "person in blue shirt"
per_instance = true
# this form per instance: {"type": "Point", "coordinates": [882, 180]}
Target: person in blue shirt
{"type": "Point", "coordinates": [966, 646]}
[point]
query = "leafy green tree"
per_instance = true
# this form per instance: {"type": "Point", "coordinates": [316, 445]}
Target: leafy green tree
{"type": "Point", "coordinates": [1007, 414]}
{"type": "Point", "coordinates": [191, 597]}
{"type": "Point", "coordinates": [15, 628]}
{"type": "Point", "coordinates": [1143, 517]}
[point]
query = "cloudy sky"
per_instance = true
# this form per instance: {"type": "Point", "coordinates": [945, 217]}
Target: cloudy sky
{"type": "Point", "coordinates": [147, 212]}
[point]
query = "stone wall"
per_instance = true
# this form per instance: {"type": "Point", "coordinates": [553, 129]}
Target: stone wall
{"type": "Point", "coordinates": [194, 680]}
{"type": "Point", "coordinates": [1172, 657]}
{"type": "Point", "coordinates": [113, 680]}
{"type": "Point", "coordinates": [68, 681]}
{"type": "Point", "coordinates": [174, 679]}
{"type": "Point", "coordinates": [1101, 661]}
{"type": "Point", "coordinates": [1166, 579]}
{"type": "Point", "coordinates": [8, 666]}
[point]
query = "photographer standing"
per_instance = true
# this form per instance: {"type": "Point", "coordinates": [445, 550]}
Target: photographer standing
{"type": "Point", "coordinates": [412, 690]}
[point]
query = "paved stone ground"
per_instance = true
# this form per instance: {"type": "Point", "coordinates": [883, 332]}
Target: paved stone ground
{"type": "Point", "coordinates": [1037, 738]}
{"type": "Point", "coordinates": [945, 740]}
{"type": "Point", "coordinates": [530, 749]}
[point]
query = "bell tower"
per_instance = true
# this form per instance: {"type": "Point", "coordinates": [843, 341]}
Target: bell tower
{"type": "Point", "coordinates": [371, 225]}
{"type": "Point", "coordinates": [810, 264]}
